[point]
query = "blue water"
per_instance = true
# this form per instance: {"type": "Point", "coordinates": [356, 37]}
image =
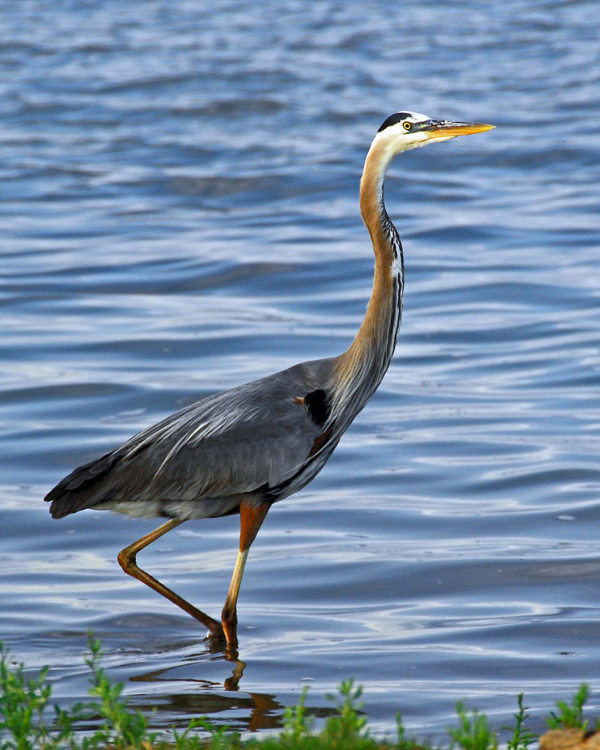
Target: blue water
{"type": "Point", "coordinates": [178, 214]}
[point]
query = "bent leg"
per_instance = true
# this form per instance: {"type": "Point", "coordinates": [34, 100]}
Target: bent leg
{"type": "Point", "coordinates": [251, 518]}
{"type": "Point", "coordinates": [127, 560]}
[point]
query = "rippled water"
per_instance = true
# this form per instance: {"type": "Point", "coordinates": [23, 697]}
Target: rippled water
{"type": "Point", "coordinates": [179, 215]}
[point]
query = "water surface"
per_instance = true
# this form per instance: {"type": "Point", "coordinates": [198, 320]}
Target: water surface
{"type": "Point", "coordinates": [179, 215]}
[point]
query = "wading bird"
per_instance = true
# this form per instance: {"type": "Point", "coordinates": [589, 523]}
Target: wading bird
{"type": "Point", "coordinates": [241, 450]}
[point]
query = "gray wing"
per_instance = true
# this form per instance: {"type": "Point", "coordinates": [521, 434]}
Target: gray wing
{"type": "Point", "coordinates": [206, 456]}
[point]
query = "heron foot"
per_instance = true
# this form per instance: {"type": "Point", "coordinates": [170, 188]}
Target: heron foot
{"type": "Point", "coordinates": [230, 633]}
{"type": "Point", "coordinates": [216, 636]}
{"type": "Point", "coordinates": [229, 625]}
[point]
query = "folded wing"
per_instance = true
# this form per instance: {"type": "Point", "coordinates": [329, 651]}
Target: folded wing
{"type": "Point", "coordinates": [205, 457]}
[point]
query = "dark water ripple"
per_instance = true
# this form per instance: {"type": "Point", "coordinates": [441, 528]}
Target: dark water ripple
{"type": "Point", "coordinates": [178, 211]}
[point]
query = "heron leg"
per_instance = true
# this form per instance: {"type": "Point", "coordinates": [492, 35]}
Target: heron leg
{"type": "Point", "coordinates": [251, 518]}
{"type": "Point", "coordinates": [127, 560]}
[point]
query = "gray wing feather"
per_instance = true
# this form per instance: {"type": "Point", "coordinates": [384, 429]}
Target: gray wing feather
{"type": "Point", "coordinates": [223, 446]}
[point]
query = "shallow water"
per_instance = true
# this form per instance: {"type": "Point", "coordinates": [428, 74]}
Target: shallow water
{"type": "Point", "coordinates": [179, 215]}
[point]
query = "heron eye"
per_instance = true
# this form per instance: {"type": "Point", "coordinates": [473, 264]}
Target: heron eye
{"type": "Point", "coordinates": [407, 125]}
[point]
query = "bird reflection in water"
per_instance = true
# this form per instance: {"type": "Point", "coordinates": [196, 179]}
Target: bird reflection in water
{"type": "Point", "coordinates": [253, 711]}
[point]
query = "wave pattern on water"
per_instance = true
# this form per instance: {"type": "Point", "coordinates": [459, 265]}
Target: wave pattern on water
{"type": "Point", "coordinates": [178, 206]}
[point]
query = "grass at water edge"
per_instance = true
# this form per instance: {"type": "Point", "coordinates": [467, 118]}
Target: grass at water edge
{"type": "Point", "coordinates": [29, 721]}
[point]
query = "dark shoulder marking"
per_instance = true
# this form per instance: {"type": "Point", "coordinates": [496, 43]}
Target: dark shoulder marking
{"type": "Point", "coordinates": [318, 407]}
{"type": "Point", "coordinates": [394, 120]}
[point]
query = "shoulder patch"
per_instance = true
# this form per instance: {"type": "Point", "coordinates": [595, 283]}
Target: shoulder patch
{"type": "Point", "coordinates": [317, 404]}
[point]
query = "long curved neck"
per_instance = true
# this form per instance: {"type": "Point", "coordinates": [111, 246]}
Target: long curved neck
{"type": "Point", "coordinates": [362, 367]}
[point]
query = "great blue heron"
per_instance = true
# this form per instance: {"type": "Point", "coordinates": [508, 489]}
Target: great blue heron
{"type": "Point", "coordinates": [243, 449]}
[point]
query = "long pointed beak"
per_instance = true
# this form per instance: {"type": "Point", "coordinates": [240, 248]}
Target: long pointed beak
{"type": "Point", "coordinates": [446, 129]}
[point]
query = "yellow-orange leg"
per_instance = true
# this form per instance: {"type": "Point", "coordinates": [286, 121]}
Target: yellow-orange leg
{"type": "Point", "coordinates": [127, 560]}
{"type": "Point", "coordinates": [251, 518]}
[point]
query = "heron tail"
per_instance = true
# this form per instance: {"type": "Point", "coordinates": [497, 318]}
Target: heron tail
{"type": "Point", "coordinates": [82, 488]}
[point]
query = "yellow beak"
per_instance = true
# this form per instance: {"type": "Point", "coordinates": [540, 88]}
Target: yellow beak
{"type": "Point", "coordinates": [447, 129]}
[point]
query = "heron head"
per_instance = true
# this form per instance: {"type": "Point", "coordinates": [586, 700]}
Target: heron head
{"type": "Point", "coordinates": [406, 130]}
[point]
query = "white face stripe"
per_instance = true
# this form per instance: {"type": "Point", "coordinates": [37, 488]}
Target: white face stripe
{"type": "Point", "coordinates": [395, 138]}
{"type": "Point", "coordinates": [402, 117]}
